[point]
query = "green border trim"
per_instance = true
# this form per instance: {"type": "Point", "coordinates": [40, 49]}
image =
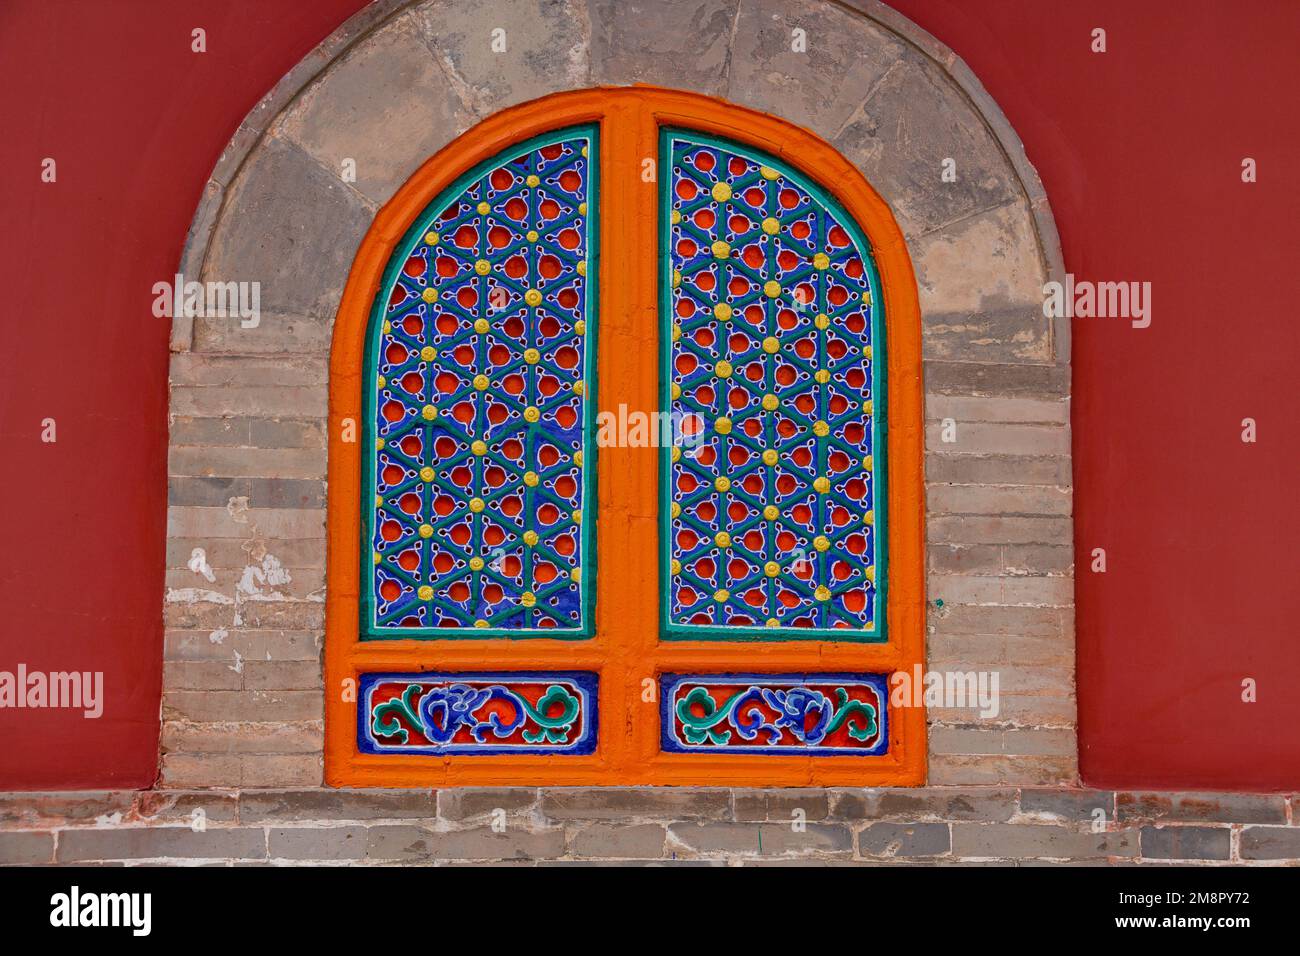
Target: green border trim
{"type": "Point", "coordinates": [590, 506]}
{"type": "Point", "coordinates": [880, 405]}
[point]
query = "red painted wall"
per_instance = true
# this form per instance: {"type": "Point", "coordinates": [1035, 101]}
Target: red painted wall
{"type": "Point", "coordinates": [1140, 150]}
{"type": "Point", "coordinates": [134, 120]}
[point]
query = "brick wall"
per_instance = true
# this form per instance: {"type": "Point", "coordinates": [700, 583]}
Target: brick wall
{"type": "Point", "coordinates": [935, 825]}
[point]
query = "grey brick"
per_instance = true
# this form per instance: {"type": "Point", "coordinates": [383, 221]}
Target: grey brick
{"type": "Point", "coordinates": [904, 839]}
{"type": "Point", "coordinates": [1270, 843]}
{"type": "Point", "coordinates": [257, 806]}
{"type": "Point", "coordinates": [1202, 807]}
{"type": "Point", "coordinates": [609, 803]}
{"type": "Point", "coordinates": [997, 379]}
{"type": "Point", "coordinates": [930, 803]}
{"type": "Point", "coordinates": [762, 839]}
{"type": "Point", "coordinates": [464, 803]}
{"type": "Point", "coordinates": [1012, 841]}
{"type": "Point", "coordinates": [1186, 843]}
{"type": "Point", "coordinates": [779, 805]}
{"type": "Point", "coordinates": [38, 809]}
{"type": "Point", "coordinates": [997, 469]}
{"type": "Point", "coordinates": [25, 848]}
{"type": "Point", "coordinates": [641, 840]}
{"type": "Point", "coordinates": [130, 843]}
{"type": "Point", "coordinates": [160, 807]}
{"type": "Point", "coordinates": [481, 843]}
{"type": "Point", "coordinates": [317, 843]}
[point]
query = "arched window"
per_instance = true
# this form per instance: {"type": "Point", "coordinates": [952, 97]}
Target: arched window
{"type": "Point", "coordinates": [719, 302]}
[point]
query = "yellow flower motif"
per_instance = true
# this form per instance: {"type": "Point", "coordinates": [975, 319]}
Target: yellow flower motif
{"type": "Point", "coordinates": [377, 557]}
{"type": "Point", "coordinates": [722, 539]}
{"type": "Point", "coordinates": [677, 278]}
{"type": "Point", "coordinates": [427, 473]}
{"type": "Point", "coordinates": [821, 429]}
{"type": "Point", "coordinates": [425, 593]}
{"type": "Point", "coordinates": [771, 569]}
{"type": "Point", "coordinates": [866, 297]}
{"type": "Point", "coordinates": [379, 444]}
{"type": "Point", "coordinates": [379, 501]}
{"type": "Point", "coordinates": [768, 172]}
{"type": "Point", "coordinates": [580, 327]}
{"type": "Point", "coordinates": [532, 356]}
{"type": "Point", "coordinates": [426, 531]}
{"type": "Point", "coordinates": [528, 599]}
{"type": "Point", "coordinates": [577, 516]}
{"type": "Point", "coordinates": [530, 538]}
{"type": "Point", "coordinates": [771, 226]}
{"type": "Point", "coordinates": [866, 407]}
{"type": "Point", "coordinates": [575, 574]}
{"type": "Point", "coordinates": [531, 479]}
{"type": "Point", "coordinates": [533, 297]}
{"type": "Point", "coordinates": [720, 249]}
{"type": "Point", "coordinates": [381, 381]}
{"type": "Point", "coordinates": [821, 261]}
{"type": "Point", "coordinates": [770, 457]}
{"type": "Point", "coordinates": [822, 543]}
{"type": "Point", "coordinates": [822, 321]}
{"type": "Point", "coordinates": [866, 463]}
{"type": "Point", "coordinates": [431, 238]}
{"type": "Point", "coordinates": [676, 332]}
{"type": "Point", "coordinates": [484, 208]}
{"type": "Point", "coordinates": [578, 387]}
{"type": "Point", "coordinates": [771, 512]}
{"type": "Point", "coordinates": [771, 345]}
{"type": "Point", "coordinates": [772, 622]}
{"type": "Point", "coordinates": [676, 566]}
{"type": "Point", "coordinates": [479, 448]}
{"type": "Point", "coordinates": [532, 413]}
{"type": "Point", "coordinates": [771, 288]}
{"type": "Point", "coordinates": [429, 413]}
{"type": "Point", "coordinates": [481, 326]}
{"type": "Point", "coordinates": [582, 267]}
{"type": "Point", "coordinates": [676, 391]}
{"type": "Point", "coordinates": [675, 217]}
{"type": "Point", "coordinates": [482, 267]}
{"type": "Point", "coordinates": [388, 327]}
{"type": "Point", "coordinates": [532, 235]}
{"type": "Point", "coordinates": [821, 485]}
{"type": "Point", "coordinates": [871, 573]}
{"type": "Point", "coordinates": [476, 563]}
{"type": "Point", "coordinates": [481, 382]}
{"type": "Point", "coordinates": [722, 369]}
{"type": "Point", "coordinates": [822, 593]}
{"type": "Point", "coordinates": [429, 295]}
{"type": "Point", "coordinates": [722, 312]}
{"type": "Point", "coordinates": [676, 454]}
{"type": "Point", "coordinates": [584, 152]}
{"type": "Point", "coordinates": [476, 505]}
{"type": "Point", "coordinates": [721, 594]}
{"type": "Point", "coordinates": [675, 509]}
{"type": "Point", "coordinates": [480, 623]}
{"type": "Point", "coordinates": [822, 376]}
{"type": "Point", "coordinates": [577, 458]}
{"type": "Point", "coordinates": [722, 484]}
{"type": "Point", "coordinates": [771, 403]}
{"type": "Point", "coordinates": [721, 192]}
{"type": "Point", "coordinates": [533, 181]}
{"type": "Point", "coordinates": [428, 353]}
{"type": "Point", "coordinates": [869, 518]}
{"type": "Point", "coordinates": [722, 426]}
{"type": "Point", "coordinates": [582, 209]}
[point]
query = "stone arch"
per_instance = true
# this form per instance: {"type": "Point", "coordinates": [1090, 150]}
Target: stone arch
{"type": "Point", "coordinates": [403, 78]}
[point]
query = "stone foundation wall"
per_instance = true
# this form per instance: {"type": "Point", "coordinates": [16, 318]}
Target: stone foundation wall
{"type": "Point", "coordinates": [934, 825]}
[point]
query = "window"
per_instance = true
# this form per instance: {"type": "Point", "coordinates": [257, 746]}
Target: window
{"type": "Point", "coordinates": [508, 603]}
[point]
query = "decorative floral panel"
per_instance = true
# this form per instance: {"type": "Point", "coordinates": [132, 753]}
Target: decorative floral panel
{"type": "Point", "coordinates": [774, 513]}
{"type": "Point", "coordinates": [825, 714]}
{"type": "Point", "coordinates": [481, 354]}
{"type": "Point", "coordinates": [445, 714]}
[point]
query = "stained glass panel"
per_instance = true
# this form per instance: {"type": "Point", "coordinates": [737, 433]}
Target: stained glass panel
{"type": "Point", "coordinates": [479, 413]}
{"type": "Point", "coordinates": [774, 515]}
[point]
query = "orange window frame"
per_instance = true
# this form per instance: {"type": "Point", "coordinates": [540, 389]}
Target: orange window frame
{"type": "Point", "coordinates": [626, 650]}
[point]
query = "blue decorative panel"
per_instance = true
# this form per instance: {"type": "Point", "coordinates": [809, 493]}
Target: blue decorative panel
{"type": "Point", "coordinates": [481, 354]}
{"type": "Point", "coordinates": [774, 517]}
{"type": "Point", "coordinates": [817, 714]}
